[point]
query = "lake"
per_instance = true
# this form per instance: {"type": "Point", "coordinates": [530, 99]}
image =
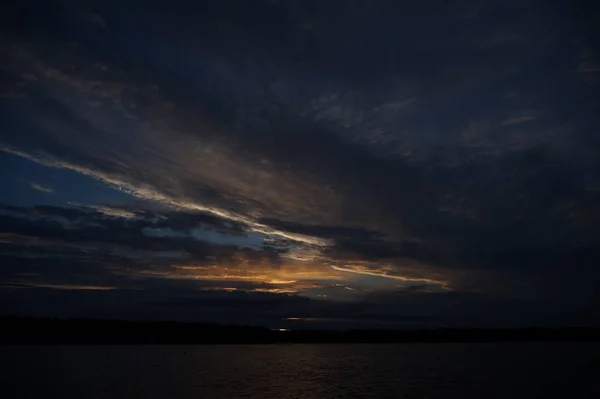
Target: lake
{"type": "Point", "coordinates": [315, 371]}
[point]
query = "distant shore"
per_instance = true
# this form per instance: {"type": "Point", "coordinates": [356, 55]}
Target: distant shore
{"type": "Point", "coordinates": [38, 331]}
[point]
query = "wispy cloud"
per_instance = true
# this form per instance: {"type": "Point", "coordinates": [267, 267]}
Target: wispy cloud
{"type": "Point", "coordinates": [149, 193]}
{"type": "Point", "coordinates": [256, 277]}
{"type": "Point", "coordinates": [407, 168]}
{"type": "Point", "coordinates": [111, 211]}
{"type": "Point", "coordinates": [518, 120]}
{"type": "Point", "coordinates": [387, 272]}
{"type": "Point", "coordinates": [41, 188]}
{"type": "Point", "coordinates": [589, 67]}
{"type": "Point", "coordinates": [69, 287]}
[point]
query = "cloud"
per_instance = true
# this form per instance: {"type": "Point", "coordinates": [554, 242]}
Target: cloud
{"type": "Point", "coordinates": [63, 287]}
{"type": "Point", "coordinates": [587, 67]}
{"type": "Point", "coordinates": [42, 189]}
{"type": "Point", "coordinates": [121, 250]}
{"type": "Point", "coordinates": [112, 211]}
{"type": "Point", "coordinates": [517, 120]}
{"type": "Point", "coordinates": [392, 146]}
{"type": "Point", "coordinates": [384, 272]}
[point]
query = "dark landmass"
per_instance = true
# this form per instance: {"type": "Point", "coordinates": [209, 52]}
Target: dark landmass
{"type": "Point", "coordinates": [34, 331]}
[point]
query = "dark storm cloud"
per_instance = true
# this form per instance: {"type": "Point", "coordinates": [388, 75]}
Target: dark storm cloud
{"type": "Point", "coordinates": [445, 143]}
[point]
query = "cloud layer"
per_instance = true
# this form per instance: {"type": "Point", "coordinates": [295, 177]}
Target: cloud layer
{"type": "Point", "coordinates": [309, 148]}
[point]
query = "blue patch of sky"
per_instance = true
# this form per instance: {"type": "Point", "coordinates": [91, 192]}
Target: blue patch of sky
{"type": "Point", "coordinates": [18, 174]}
{"type": "Point", "coordinates": [251, 240]}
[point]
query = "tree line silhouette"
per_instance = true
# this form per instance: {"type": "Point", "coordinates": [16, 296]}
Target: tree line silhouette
{"type": "Point", "coordinates": [27, 330]}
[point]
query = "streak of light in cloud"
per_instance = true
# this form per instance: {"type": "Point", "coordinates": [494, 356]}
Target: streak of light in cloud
{"type": "Point", "coordinates": [110, 211]}
{"type": "Point", "coordinates": [148, 193]}
{"type": "Point", "coordinates": [41, 188]}
{"type": "Point", "coordinates": [255, 278]}
{"type": "Point", "coordinates": [75, 287]}
{"type": "Point", "coordinates": [384, 273]}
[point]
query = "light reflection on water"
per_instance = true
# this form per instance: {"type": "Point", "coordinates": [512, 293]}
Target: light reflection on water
{"type": "Point", "coordinates": [302, 371]}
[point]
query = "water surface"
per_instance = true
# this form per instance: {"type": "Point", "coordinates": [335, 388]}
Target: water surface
{"type": "Point", "coordinates": [500, 370]}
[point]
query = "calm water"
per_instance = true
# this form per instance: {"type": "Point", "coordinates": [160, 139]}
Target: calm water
{"type": "Point", "coordinates": [303, 371]}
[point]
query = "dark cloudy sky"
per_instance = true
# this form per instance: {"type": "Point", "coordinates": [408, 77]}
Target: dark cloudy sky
{"type": "Point", "coordinates": [359, 163]}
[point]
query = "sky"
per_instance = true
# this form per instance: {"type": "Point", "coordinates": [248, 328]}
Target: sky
{"type": "Point", "coordinates": [303, 163]}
